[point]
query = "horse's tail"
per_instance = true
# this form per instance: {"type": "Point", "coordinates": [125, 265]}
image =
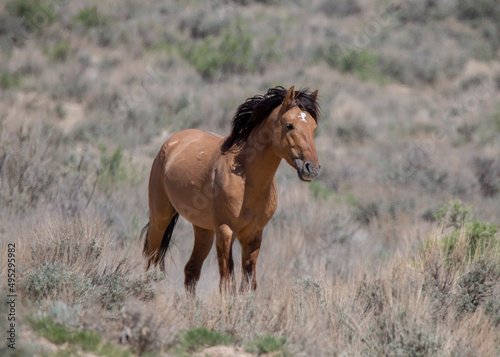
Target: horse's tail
{"type": "Point", "coordinates": [158, 257]}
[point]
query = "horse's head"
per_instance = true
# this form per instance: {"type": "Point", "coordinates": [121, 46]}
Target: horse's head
{"type": "Point", "coordinates": [294, 129]}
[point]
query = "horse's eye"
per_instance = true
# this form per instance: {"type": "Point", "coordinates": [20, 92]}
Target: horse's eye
{"type": "Point", "coordinates": [289, 126]}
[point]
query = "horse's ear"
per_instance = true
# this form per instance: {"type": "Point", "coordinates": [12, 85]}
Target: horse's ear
{"type": "Point", "coordinates": [290, 95]}
{"type": "Point", "coordinates": [314, 95]}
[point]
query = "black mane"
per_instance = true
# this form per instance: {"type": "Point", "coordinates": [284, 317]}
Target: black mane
{"type": "Point", "coordinates": [255, 110]}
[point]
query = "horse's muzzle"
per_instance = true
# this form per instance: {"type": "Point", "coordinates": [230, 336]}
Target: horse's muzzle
{"type": "Point", "coordinates": [308, 170]}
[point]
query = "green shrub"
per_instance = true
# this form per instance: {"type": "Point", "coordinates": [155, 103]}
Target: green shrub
{"type": "Point", "coordinates": [200, 337]}
{"type": "Point", "coordinates": [365, 213]}
{"type": "Point", "coordinates": [8, 80]}
{"type": "Point", "coordinates": [231, 52]}
{"type": "Point", "coordinates": [492, 309]}
{"type": "Point", "coordinates": [60, 334]}
{"type": "Point", "coordinates": [52, 280]}
{"type": "Point", "coordinates": [111, 165]}
{"type": "Point", "coordinates": [480, 238]}
{"type": "Point", "coordinates": [487, 171]}
{"type": "Point", "coordinates": [476, 285]}
{"type": "Point", "coordinates": [35, 13]}
{"type": "Point", "coordinates": [319, 191]}
{"type": "Point", "coordinates": [360, 62]}
{"type": "Point", "coordinates": [75, 339]}
{"type": "Point", "coordinates": [396, 335]}
{"type": "Point", "coordinates": [90, 17]}
{"type": "Point", "coordinates": [60, 51]}
{"type": "Point", "coordinates": [115, 288]}
{"type": "Point", "coordinates": [268, 344]}
{"type": "Point", "coordinates": [478, 10]}
{"type": "Point", "coordinates": [453, 214]}
{"type": "Point", "coordinates": [64, 314]}
{"type": "Point", "coordinates": [372, 296]}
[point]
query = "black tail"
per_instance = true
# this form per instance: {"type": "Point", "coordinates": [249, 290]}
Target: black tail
{"type": "Point", "coordinates": [158, 257]}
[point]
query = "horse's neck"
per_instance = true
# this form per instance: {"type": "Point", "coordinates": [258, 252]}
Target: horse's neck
{"type": "Point", "coordinates": [258, 160]}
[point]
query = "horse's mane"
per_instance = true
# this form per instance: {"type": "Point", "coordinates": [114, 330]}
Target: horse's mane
{"type": "Point", "coordinates": [255, 110]}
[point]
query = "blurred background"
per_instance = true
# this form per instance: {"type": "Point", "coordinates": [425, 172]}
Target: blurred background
{"type": "Point", "coordinates": [410, 119]}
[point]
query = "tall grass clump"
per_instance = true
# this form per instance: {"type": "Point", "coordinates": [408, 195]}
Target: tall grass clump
{"type": "Point", "coordinates": [63, 255]}
{"type": "Point", "coordinates": [70, 259]}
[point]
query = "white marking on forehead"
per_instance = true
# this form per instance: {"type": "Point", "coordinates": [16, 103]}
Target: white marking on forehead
{"type": "Point", "coordinates": [302, 116]}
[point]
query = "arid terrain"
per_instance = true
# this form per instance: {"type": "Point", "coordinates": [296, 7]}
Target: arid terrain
{"type": "Point", "coordinates": [393, 251]}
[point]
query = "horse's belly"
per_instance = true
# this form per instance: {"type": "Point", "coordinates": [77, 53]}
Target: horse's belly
{"type": "Point", "coordinates": [188, 178]}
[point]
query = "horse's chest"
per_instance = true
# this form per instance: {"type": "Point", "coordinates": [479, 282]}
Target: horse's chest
{"type": "Point", "coordinates": [258, 216]}
{"type": "Point", "coordinates": [255, 215]}
{"type": "Point", "coordinates": [253, 221]}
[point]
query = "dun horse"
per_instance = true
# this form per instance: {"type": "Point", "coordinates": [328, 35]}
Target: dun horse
{"type": "Point", "coordinates": [225, 186]}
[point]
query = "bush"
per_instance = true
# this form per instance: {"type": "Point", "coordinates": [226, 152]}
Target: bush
{"type": "Point", "coordinates": [474, 238]}
{"type": "Point", "coordinates": [111, 165]}
{"type": "Point", "coordinates": [199, 338]}
{"type": "Point", "coordinates": [476, 285]}
{"type": "Point", "coordinates": [307, 288]}
{"type": "Point", "coordinates": [74, 339]}
{"type": "Point", "coordinates": [115, 288]}
{"type": "Point", "coordinates": [231, 52]}
{"type": "Point", "coordinates": [371, 295]}
{"type": "Point", "coordinates": [9, 80]}
{"type": "Point", "coordinates": [487, 172]}
{"type": "Point", "coordinates": [60, 334]}
{"type": "Point", "coordinates": [340, 8]}
{"type": "Point", "coordinates": [319, 191]}
{"type": "Point", "coordinates": [453, 214]}
{"type": "Point", "coordinates": [35, 13]}
{"type": "Point", "coordinates": [460, 264]}
{"type": "Point", "coordinates": [399, 336]}
{"type": "Point", "coordinates": [365, 213]}
{"type": "Point", "coordinates": [90, 17]}
{"type": "Point", "coordinates": [64, 314]}
{"type": "Point", "coordinates": [60, 51]}
{"type": "Point", "coordinates": [268, 344]}
{"type": "Point", "coordinates": [52, 280]}
{"type": "Point", "coordinates": [143, 328]}
{"type": "Point", "coordinates": [360, 62]}
{"type": "Point", "coordinates": [492, 309]}
{"type": "Point", "coordinates": [478, 10]}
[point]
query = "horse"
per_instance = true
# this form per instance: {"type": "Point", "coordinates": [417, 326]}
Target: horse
{"type": "Point", "coordinates": [225, 187]}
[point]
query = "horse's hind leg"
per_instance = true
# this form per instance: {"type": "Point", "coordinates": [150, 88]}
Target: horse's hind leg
{"type": "Point", "coordinates": [203, 240]}
{"type": "Point", "coordinates": [161, 213]}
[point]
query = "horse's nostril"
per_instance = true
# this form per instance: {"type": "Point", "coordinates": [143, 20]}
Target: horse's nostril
{"type": "Point", "coordinates": [307, 167]}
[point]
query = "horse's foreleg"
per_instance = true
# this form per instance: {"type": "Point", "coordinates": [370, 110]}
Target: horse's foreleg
{"type": "Point", "coordinates": [249, 253]}
{"type": "Point", "coordinates": [203, 240]}
{"type": "Point", "coordinates": [223, 243]}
